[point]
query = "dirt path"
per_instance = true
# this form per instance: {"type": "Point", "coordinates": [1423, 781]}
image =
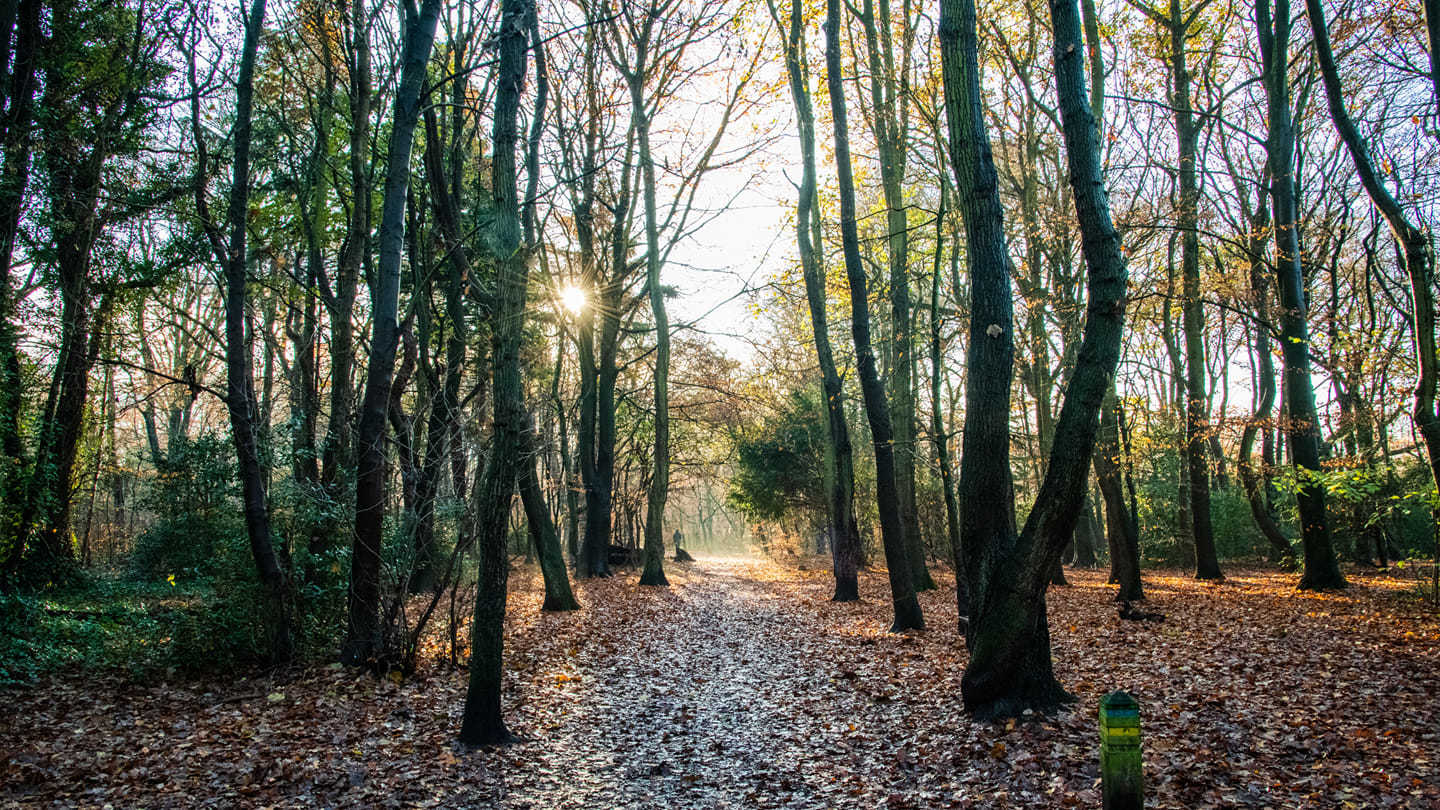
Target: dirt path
{"type": "Point", "coordinates": [701, 711]}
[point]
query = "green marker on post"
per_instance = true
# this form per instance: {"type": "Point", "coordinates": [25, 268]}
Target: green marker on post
{"type": "Point", "coordinates": [1120, 777]}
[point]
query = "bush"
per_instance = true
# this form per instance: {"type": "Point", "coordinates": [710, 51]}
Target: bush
{"type": "Point", "coordinates": [1236, 534]}
{"type": "Point", "coordinates": [198, 511]}
{"type": "Point", "coordinates": [141, 629]}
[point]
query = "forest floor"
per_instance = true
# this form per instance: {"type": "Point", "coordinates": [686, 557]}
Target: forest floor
{"type": "Point", "coordinates": [741, 685]}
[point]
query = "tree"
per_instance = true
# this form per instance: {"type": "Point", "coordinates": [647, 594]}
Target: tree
{"type": "Point", "coordinates": [239, 377]}
{"type": "Point", "coordinates": [1010, 668]}
{"type": "Point", "coordinates": [1257, 219]}
{"type": "Point", "coordinates": [640, 33]}
{"type": "Point", "coordinates": [1415, 248]}
{"type": "Point", "coordinates": [16, 138]}
{"type": "Point", "coordinates": [840, 472]}
{"type": "Point", "coordinates": [1302, 427]}
{"type": "Point", "coordinates": [1179, 23]}
{"type": "Point", "coordinates": [363, 643]}
{"type": "Point", "coordinates": [1122, 533]}
{"type": "Point", "coordinates": [877, 410]}
{"type": "Point", "coordinates": [339, 447]}
{"type": "Point", "coordinates": [889, 118]}
{"type": "Point", "coordinates": [937, 420]}
{"type": "Point", "coordinates": [558, 596]}
{"type": "Point", "coordinates": [483, 722]}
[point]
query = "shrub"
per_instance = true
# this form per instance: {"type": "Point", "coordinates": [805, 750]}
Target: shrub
{"type": "Point", "coordinates": [194, 498]}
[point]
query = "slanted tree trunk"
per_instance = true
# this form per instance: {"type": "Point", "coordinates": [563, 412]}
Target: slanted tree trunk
{"type": "Point", "coordinates": [1010, 668]}
{"type": "Point", "coordinates": [889, 84]}
{"type": "Point", "coordinates": [483, 722]}
{"type": "Point", "coordinates": [558, 595]}
{"type": "Point", "coordinates": [892, 524]}
{"type": "Point", "coordinates": [1120, 529]}
{"type": "Point", "coordinates": [1302, 428]}
{"type": "Point", "coordinates": [937, 419]}
{"type": "Point", "coordinates": [239, 380]}
{"type": "Point", "coordinates": [364, 644]}
{"type": "Point", "coordinates": [1419, 258]}
{"type": "Point", "coordinates": [845, 533]}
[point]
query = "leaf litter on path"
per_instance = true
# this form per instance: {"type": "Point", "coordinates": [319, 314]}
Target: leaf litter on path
{"type": "Point", "coordinates": [743, 686]}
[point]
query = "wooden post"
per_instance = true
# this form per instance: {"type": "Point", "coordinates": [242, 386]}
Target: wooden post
{"type": "Point", "coordinates": [1120, 764]}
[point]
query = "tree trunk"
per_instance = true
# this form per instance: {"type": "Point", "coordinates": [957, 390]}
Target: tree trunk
{"type": "Point", "coordinates": [1010, 668]}
{"type": "Point", "coordinates": [1120, 529]}
{"type": "Point", "coordinates": [558, 595]}
{"type": "Point", "coordinates": [364, 642]}
{"type": "Point", "coordinates": [654, 572]}
{"type": "Point", "coordinates": [339, 456]}
{"type": "Point", "coordinates": [45, 525]}
{"type": "Point", "coordinates": [937, 420]}
{"type": "Point", "coordinates": [240, 383]}
{"type": "Point", "coordinates": [1192, 307]}
{"type": "Point", "coordinates": [17, 140]}
{"type": "Point", "coordinates": [1415, 245]}
{"type": "Point", "coordinates": [890, 98]}
{"type": "Point", "coordinates": [483, 722]}
{"type": "Point", "coordinates": [443, 433]}
{"type": "Point", "coordinates": [986, 491]}
{"type": "Point", "coordinates": [892, 524]}
{"type": "Point", "coordinates": [845, 533]}
{"type": "Point", "coordinates": [1085, 534]}
{"type": "Point", "coordinates": [598, 371]}
{"type": "Point", "coordinates": [1265, 387]}
{"type": "Point", "coordinates": [1302, 428]}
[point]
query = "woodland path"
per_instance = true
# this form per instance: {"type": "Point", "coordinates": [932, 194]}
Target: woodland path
{"type": "Point", "coordinates": [720, 693]}
{"type": "Point", "coordinates": [742, 685]}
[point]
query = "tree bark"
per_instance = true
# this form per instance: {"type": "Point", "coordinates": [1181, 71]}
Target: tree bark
{"type": "Point", "coordinates": [17, 140]}
{"type": "Point", "coordinates": [840, 499]}
{"type": "Point", "coordinates": [339, 456]}
{"type": "Point", "coordinates": [240, 382]}
{"type": "Point", "coordinates": [1010, 668]}
{"type": "Point", "coordinates": [654, 571]}
{"type": "Point", "coordinates": [1418, 257]}
{"type": "Point", "coordinates": [598, 372]}
{"type": "Point", "coordinates": [364, 642]}
{"type": "Point", "coordinates": [1197, 427]}
{"type": "Point", "coordinates": [1120, 530]}
{"type": "Point", "coordinates": [1250, 479]}
{"type": "Point", "coordinates": [889, 118]}
{"type": "Point", "coordinates": [558, 595]}
{"type": "Point", "coordinates": [1302, 427]}
{"type": "Point", "coordinates": [892, 524]}
{"type": "Point", "coordinates": [937, 420]}
{"type": "Point", "coordinates": [483, 722]}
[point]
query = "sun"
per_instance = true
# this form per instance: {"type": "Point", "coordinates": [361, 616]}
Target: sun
{"type": "Point", "coordinates": [572, 298]}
